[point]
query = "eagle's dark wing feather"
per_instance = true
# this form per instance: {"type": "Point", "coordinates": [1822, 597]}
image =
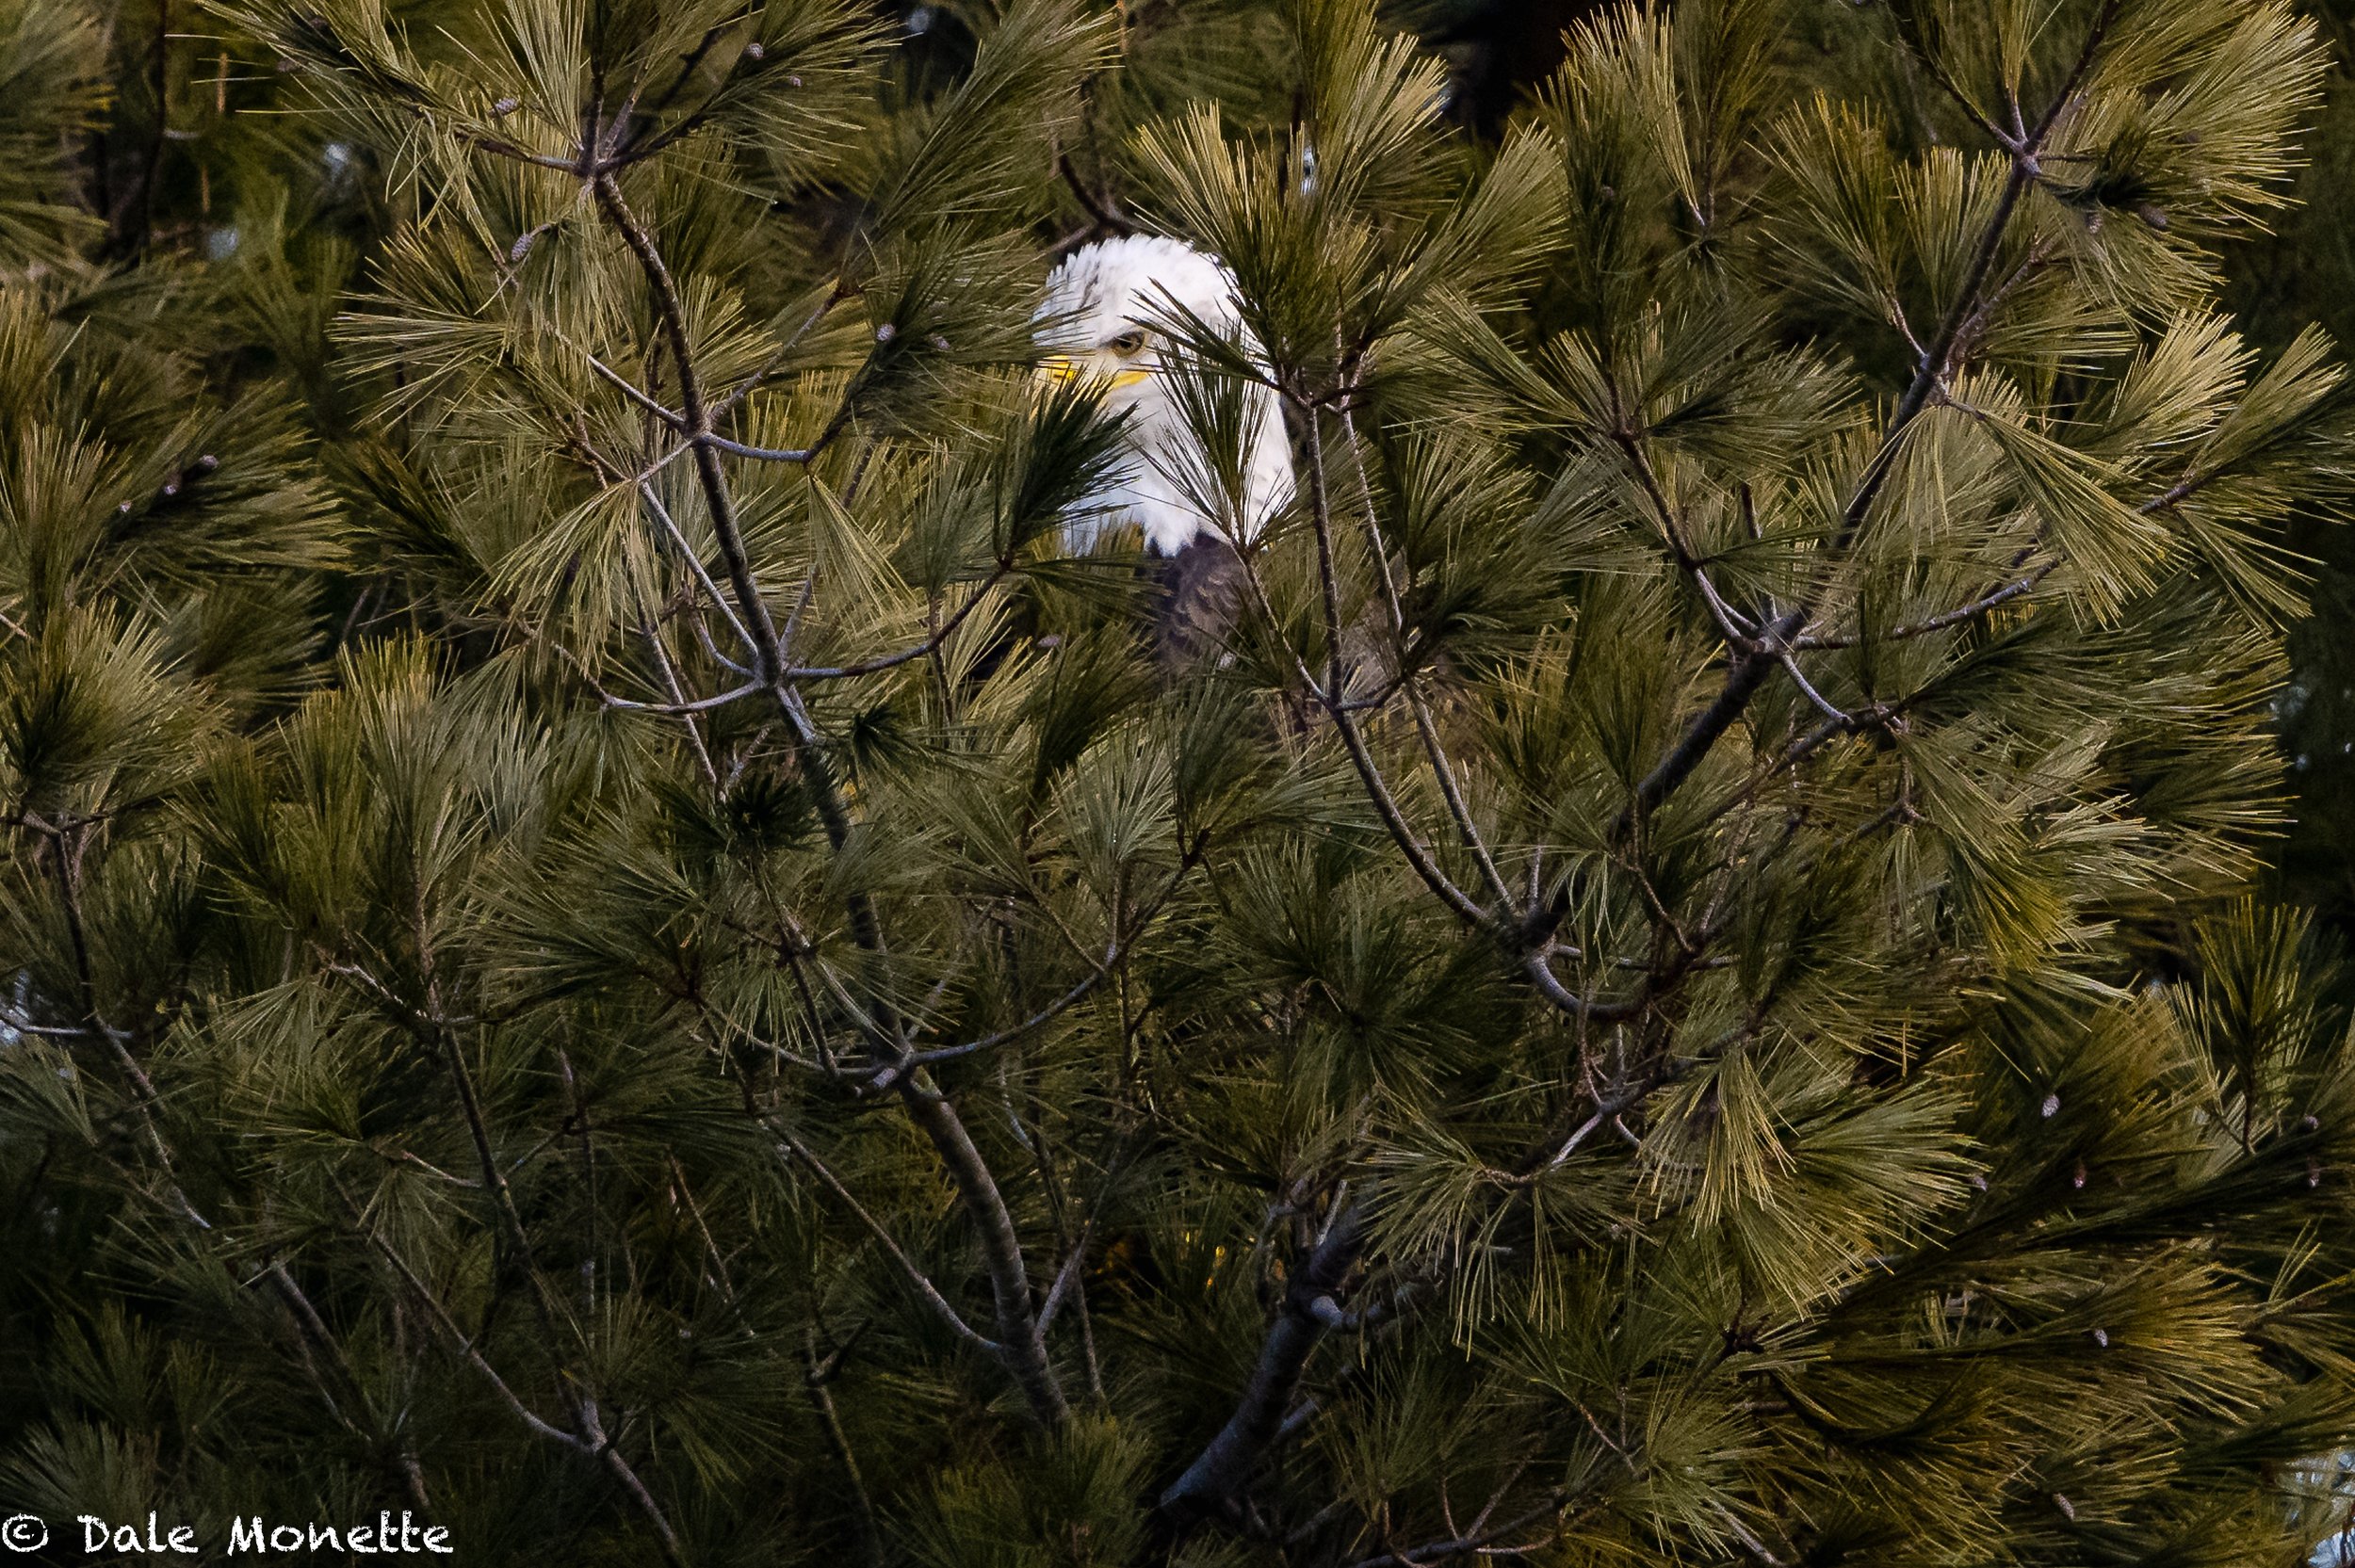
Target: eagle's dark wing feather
{"type": "Point", "coordinates": [1198, 603]}
{"type": "Point", "coordinates": [1199, 597]}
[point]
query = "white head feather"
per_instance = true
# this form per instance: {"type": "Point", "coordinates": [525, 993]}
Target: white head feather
{"type": "Point", "coordinates": [1102, 320]}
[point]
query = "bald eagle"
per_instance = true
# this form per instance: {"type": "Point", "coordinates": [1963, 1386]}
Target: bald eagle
{"type": "Point", "coordinates": [1107, 320]}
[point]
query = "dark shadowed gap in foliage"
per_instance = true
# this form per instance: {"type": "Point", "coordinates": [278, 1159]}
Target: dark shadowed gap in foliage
{"type": "Point", "coordinates": [2301, 274]}
{"type": "Point", "coordinates": [1502, 50]}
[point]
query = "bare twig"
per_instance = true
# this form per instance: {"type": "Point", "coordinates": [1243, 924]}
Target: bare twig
{"type": "Point", "coordinates": [1442, 770]}
{"type": "Point", "coordinates": [1944, 619]}
{"type": "Point", "coordinates": [925, 1290]}
{"type": "Point", "coordinates": [593, 1445]}
{"type": "Point", "coordinates": [817, 1374]}
{"type": "Point", "coordinates": [1472, 1540]}
{"type": "Point", "coordinates": [1328, 696]}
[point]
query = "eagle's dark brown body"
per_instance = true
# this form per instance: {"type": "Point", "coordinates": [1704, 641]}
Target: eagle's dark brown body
{"type": "Point", "coordinates": [1198, 598]}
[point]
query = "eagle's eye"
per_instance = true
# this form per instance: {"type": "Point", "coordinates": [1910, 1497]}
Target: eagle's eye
{"type": "Point", "coordinates": [1127, 342]}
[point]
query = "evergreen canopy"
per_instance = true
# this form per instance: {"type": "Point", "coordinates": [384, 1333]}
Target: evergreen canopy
{"type": "Point", "coordinates": [606, 946]}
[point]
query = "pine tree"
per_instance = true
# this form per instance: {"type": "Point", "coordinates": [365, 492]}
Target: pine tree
{"type": "Point", "coordinates": [609, 945]}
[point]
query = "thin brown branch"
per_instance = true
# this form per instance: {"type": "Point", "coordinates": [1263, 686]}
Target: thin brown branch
{"type": "Point", "coordinates": [311, 1329]}
{"type": "Point", "coordinates": [1747, 674]}
{"type": "Point", "coordinates": [925, 1290]}
{"type": "Point", "coordinates": [1944, 619]}
{"type": "Point", "coordinates": [754, 610]}
{"type": "Point", "coordinates": [1738, 637]}
{"type": "Point", "coordinates": [1537, 964]}
{"type": "Point", "coordinates": [888, 1075]}
{"type": "Point", "coordinates": [1105, 217]}
{"type": "Point", "coordinates": [1217, 1475]}
{"type": "Point", "coordinates": [679, 705]}
{"type": "Point", "coordinates": [817, 1374]}
{"type": "Point", "coordinates": [1022, 1352]}
{"type": "Point", "coordinates": [1328, 696]}
{"type": "Point", "coordinates": [933, 643]}
{"type": "Point", "coordinates": [784, 351]}
{"type": "Point", "coordinates": [630, 390]}
{"type": "Point", "coordinates": [591, 1444]}
{"type": "Point", "coordinates": [1023, 1349]}
{"type": "Point", "coordinates": [1439, 1551]}
{"type": "Point", "coordinates": [1442, 770]}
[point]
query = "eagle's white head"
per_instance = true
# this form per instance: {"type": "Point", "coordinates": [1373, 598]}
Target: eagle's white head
{"type": "Point", "coordinates": [1103, 321]}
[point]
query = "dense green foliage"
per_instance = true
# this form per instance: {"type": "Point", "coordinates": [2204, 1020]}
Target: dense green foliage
{"type": "Point", "coordinates": [607, 946]}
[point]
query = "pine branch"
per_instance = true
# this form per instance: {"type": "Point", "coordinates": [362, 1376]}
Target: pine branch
{"type": "Point", "coordinates": [676, 422]}
{"type": "Point", "coordinates": [936, 638]}
{"type": "Point", "coordinates": [1328, 696]}
{"type": "Point", "coordinates": [1944, 620]}
{"type": "Point", "coordinates": [1442, 770]}
{"type": "Point", "coordinates": [457, 1336]}
{"type": "Point", "coordinates": [925, 1290]}
{"type": "Point", "coordinates": [1017, 1332]}
{"type": "Point", "coordinates": [65, 845]}
{"type": "Point", "coordinates": [717, 497]}
{"type": "Point", "coordinates": [435, 1031]}
{"type": "Point", "coordinates": [686, 710]}
{"type": "Point", "coordinates": [1102, 968]}
{"type": "Point", "coordinates": [678, 699]}
{"type": "Point", "coordinates": [815, 1377]}
{"type": "Point", "coordinates": [1474, 1541]}
{"type": "Point", "coordinates": [1538, 965]}
{"type": "Point", "coordinates": [713, 1257]}
{"type": "Point", "coordinates": [1746, 672]}
{"type": "Point", "coordinates": [1214, 1482]}
{"type": "Point", "coordinates": [745, 388]}
{"type": "Point", "coordinates": [159, 84]}
{"type": "Point", "coordinates": [1100, 212]}
{"type": "Point", "coordinates": [887, 1076]}
{"type": "Point", "coordinates": [694, 563]}
{"type": "Point", "coordinates": [1023, 1347]}
{"type": "Point", "coordinates": [596, 1447]}
{"type": "Point", "coordinates": [311, 1335]}
{"type": "Point", "coordinates": [1738, 637]}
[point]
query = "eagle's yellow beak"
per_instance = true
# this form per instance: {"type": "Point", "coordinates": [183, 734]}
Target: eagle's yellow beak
{"type": "Point", "coordinates": [1060, 369]}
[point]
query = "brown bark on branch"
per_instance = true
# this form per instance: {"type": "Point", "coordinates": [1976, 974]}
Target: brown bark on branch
{"type": "Point", "coordinates": [1020, 1347]}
